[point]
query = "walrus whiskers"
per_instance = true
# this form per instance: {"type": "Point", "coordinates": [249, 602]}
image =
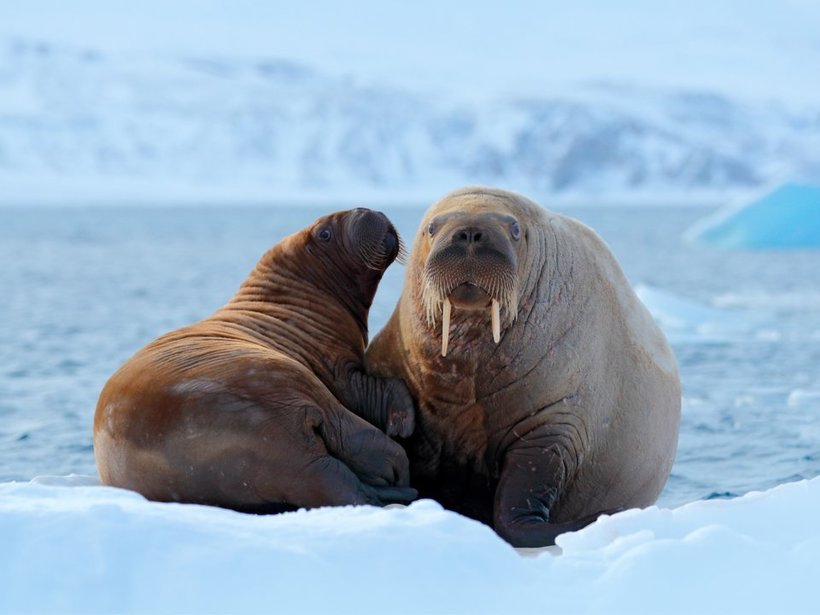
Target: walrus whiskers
{"type": "Point", "coordinates": [372, 256]}
{"type": "Point", "coordinates": [375, 257]}
{"type": "Point", "coordinates": [437, 288]}
{"type": "Point", "coordinates": [435, 291]}
{"type": "Point", "coordinates": [401, 257]}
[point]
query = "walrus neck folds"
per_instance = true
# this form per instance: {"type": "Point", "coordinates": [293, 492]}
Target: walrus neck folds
{"type": "Point", "coordinates": [338, 281]}
{"type": "Point", "coordinates": [270, 287]}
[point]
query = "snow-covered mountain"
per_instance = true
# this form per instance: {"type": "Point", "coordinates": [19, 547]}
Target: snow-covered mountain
{"type": "Point", "coordinates": [80, 123]}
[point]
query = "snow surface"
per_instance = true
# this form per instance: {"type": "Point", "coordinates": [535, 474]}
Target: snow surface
{"type": "Point", "coordinates": [70, 546]}
{"type": "Point", "coordinates": [786, 217]}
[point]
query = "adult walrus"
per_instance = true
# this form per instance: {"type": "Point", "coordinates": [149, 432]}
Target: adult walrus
{"type": "Point", "coordinates": [546, 393]}
{"type": "Point", "coordinates": [250, 409]}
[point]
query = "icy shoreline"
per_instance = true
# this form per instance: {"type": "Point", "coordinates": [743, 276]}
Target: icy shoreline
{"type": "Point", "coordinates": [71, 546]}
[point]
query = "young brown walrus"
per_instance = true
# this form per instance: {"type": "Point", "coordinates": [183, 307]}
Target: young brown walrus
{"type": "Point", "coordinates": [253, 408]}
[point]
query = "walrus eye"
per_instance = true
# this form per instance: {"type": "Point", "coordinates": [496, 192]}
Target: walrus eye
{"type": "Point", "coordinates": [325, 234]}
{"type": "Point", "coordinates": [431, 229]}
{"type": "Point", "coordinates": [515, 231]}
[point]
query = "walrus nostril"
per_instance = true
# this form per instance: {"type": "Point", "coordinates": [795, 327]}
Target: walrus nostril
{"type": "Point", "coordinates": [468, 235]}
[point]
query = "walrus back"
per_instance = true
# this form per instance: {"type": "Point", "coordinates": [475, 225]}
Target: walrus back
{"type": "Point", "coordinates": [170, 417]}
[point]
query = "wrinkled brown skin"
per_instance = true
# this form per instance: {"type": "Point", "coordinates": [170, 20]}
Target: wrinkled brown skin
{"type": "Point", "coordinates": [253, 408]}
{"type": "Point", "coordinates": [575, 412]}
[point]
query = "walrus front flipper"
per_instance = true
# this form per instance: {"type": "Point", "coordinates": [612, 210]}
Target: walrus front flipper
{"type": "Point", "coordinates": [531, 530]}
{"type": "Point", "coordinates": [522, 504]}
{"type": "Point", "coordinates": [383, 402]}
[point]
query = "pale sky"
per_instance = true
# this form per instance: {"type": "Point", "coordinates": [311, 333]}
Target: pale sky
{"type": "Point", "coordinates": [758, 48]}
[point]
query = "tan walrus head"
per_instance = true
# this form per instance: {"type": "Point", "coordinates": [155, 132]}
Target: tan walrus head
{"type": "Point", "coordinates": [468, 252]}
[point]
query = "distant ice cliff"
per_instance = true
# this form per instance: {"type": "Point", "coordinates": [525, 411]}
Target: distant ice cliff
{"type": "Point", "coordinates": [81, 123]}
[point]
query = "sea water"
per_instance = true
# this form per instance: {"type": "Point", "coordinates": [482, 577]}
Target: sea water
{"type": "Point", "coordinates": [81, 289]}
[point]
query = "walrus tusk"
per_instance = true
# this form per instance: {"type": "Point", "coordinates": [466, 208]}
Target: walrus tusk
{"type": "Point", "coordinates": [496, 312]}
{"type": "Point", "coordinates": [445, 327]}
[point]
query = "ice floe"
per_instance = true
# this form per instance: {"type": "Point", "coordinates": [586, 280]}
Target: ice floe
{"type": "Point", "coordinates": [70, 546]}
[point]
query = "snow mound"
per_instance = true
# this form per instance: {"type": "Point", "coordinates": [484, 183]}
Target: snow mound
{"type": "Point", "coordinates": [85, 548]}
{"type": "Point", "coordinates": [683, 319]}
{"type": "Point", "coordinates": [787, 217]}
{"type": "Point", "coordinates": [804, 397]}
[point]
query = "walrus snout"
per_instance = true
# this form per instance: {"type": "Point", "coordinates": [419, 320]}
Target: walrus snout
{"type": "Point", "coordinates": [378, 240]}
{"type": "Point", "coordinates": [472, 266]}
{"type": "Point", "coordinates": [471, 261]}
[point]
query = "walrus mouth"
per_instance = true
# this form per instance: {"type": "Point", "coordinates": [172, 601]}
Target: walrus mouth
{"type": "Point", "coordinates": [469, 296]}
{"type": "Point", "coordinates": [495, 318]}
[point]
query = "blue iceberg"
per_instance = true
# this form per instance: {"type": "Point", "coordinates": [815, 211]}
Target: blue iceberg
{"type": "Point", "coordinates": [787, 217]}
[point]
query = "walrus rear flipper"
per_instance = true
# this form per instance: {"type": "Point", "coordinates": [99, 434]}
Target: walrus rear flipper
{"type": "Point", "coordinates": [363, 465]}
{"type": "Point", "coordinates": [329, 482]}
{"type": "Point", "coordinates": [523, 506]}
